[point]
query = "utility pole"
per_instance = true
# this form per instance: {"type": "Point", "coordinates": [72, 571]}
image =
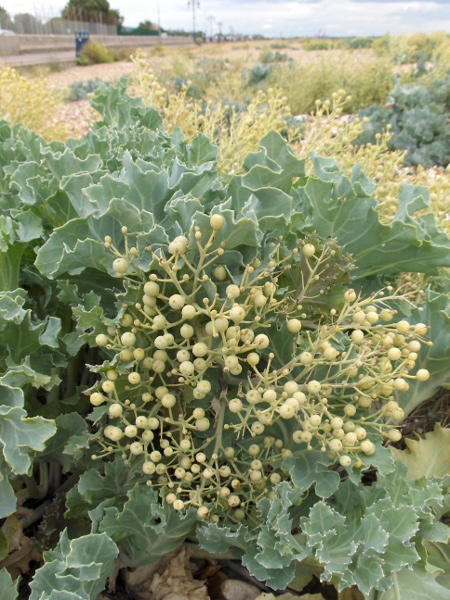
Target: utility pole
{"type": "Point", "coordinates": [159, 17]}
{"type": "Point", "coordinates": [195, 4]}
{"type": "Point", "coordinates": [219, 25]}
{"type": "Point", "coordinates": [211, 20]}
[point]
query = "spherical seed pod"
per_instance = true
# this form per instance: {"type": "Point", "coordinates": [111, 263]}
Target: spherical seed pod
{"type": "Point", "coordinates": [368, 447]}
{"type": "Point", "coordinates": [350, 439]}
{"type": "Point", "coordinates": [308, 250]}
{"type": "Point", "coordinates": [178, 505]}
{"type": "Point", "coordinates": [401, 384]}
{"type": "Point", "coordinates": [259, 300]}
{"type": "Point", "coordinates": [126, 356]}
{"type": "Point", "coordinates": [160, 322]}
{"type": "Point", "coordinates": [200, 457]}
{"type": "Point", "coordinates": [147, 436]}
{"type": "Point", "coordinates": [208, 473]}
{"type": "Point", "coordinates": [237, 313]}
{"type": "Point", "coordinates": [134, 378]}
{"type": "Point", "coordinates": [394, 353]}
{"type": "Point", "coordinates": [183, 355]}
{"type": "Point", "coordinates": [359, 317]}
{"type": "Point", "coordinates": [158, 366]}
{"type": "Point", "coordinates": [202, 424]}
{"type": "Point", "coordinates": [235, 405]}
{"type": "Point", "coordinates": [160, 391]}
{"type": "Point", "coordinates": [423, 374]}
{"type": "Point", "coordinates": [420, 329]}
{"type": "Point", "coordinates": [306, 358]}
{"type": "Point", "coordinates": [275, 478]}
{"type": "Point", "coordinates": [394, 435]}
{"type": "Point", "coordinates": [179, 245]}
{"type": "Point", "coordinates": [231, 361]}
{"type": "Point", "coordinates": [269, 289]}
{"type": "Point", "coordinates": [151, 288]}
{"type": "Point", "coordinates": [120, 265]}
{"type": "Point", "coordinates": [108, 387]}
{"type": "Point", "coordinates": [232, 291]}
{"type": "Point", "coordinates": [149, 301]}
{"type": "Point", "coordinates": [176, 301]}
{"type": "Point", "coordinates": [128, 339]}
{"type": "Point", "coordinates": [300, 397]}
{"type": "Point", "coordinates": [229, 452]}
{"type": "Point", "coordinates": [350, 296]}
{"type": "Point", "coordinates": [246, 335]}
{"type": "Point", "coordinates": [136, 448]}
{"type": "Point", "coordinates": [297, 437]}
{"type": "Point", "coordinates": [233, 501]}
{"type": "Point", "coordinates": [101, 340]}
{"type": "Point", "coordinates": [153, 423]}
{"type": "Point", "coordinates": [372, 317]}
{"type": "Point", "coordinates": [155, 456]}
{"type": "Point", "coordinates": [290, 387]}
{"type": "Point", "coordinates": [221, 324]}
{"type": "Point", "coordinates": [188, 312]}
{"type": "Point", "coordinates": [168, 400]}
{"type": "Point", "coordinates": [286, 411]}
{"type": "Point", "coordinates": [360, 433]}
{"type": "Point", "coordinates": [386, 315]}
{"type": "Point", "coordinates": [269, 396]}
{"type": "Point", "coordinates": [220, 273]}
{"type": "Point", "coordinates": [253, 397]}
{"type": "Point", "coordinates": [202, 512]}
{"type": "Point", "coordinates": [141, 422]}
{"type": "Point", "coordinates": [200, 364]}
{"type": "Point", "coordinates": [149, 467]}
{"type": "Point", "coordinates": [345, 461]}
{"type": "Point", "coordinates": [313, 386]}
{"type": "Point", "coordinates": [261, 341]}
{"type": "Point", "coordinates": [204, 386]}
{"type": "Point", "coordinates": [217, 222]}
{"type": "Point", "coordinates": [315, 420]}
{"type": "Point", "coordinates": [113, 433]}
{"type": "Point", "coordinates": [257, 428]}
{"type": "Point", "coordinates": [186, 368]}
{"type": "Point", "coordinates": [335, 445]}
{"type": "Point", "coordinates": [402, 326]}
{"type": "Point", "coordinates": [349, 410]}
{"type": "Point", "coordinates": [200, 349]}
{"type": "Point", "coordinates": [253, 450]}
{"type": "Point", "coordinates": [186, 331]}
{"type": "Point", "coordinates": [357, 336]}
{"type": "Point", "coordinates": [131, 431]}
{"type": "Point", "coordinates": [253, 359]}
{"type": "Point", "coordinates": [294, 325]}
{"type": "Point", "coordinates": [97, 399]}
{"type": "Point", "coordinates": [138, 354]}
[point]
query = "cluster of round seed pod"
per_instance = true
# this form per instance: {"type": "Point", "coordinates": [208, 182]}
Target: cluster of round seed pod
{"type": "Point", "coordinates": [195, 389]}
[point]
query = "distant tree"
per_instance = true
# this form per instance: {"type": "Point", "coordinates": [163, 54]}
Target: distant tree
{"type": "Point", "coordinates": [5, 19]}
{"type": "Point", "coordinates": [26, 23]}
{"type": "Point", "coordinates": [147, 25]}
{"type": "Point", "coordinates": [93, 11]}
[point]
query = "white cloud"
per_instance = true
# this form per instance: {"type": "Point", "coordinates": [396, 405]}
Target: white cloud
{"type": "Point", "coordinates": [287, 17]}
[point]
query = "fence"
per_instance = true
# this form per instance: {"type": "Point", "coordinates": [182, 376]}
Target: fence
{"type": "Point", "coordinates": [56, 26]}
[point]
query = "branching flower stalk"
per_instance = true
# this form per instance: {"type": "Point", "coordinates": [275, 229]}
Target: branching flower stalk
{"type": "Point", "coordinates": [215, 376]}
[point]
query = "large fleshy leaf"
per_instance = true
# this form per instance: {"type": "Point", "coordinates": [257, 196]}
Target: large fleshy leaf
{"type": "Point", "coordinates": [427, 457]}
{"type": "Point", "coordinates": [75, 568]}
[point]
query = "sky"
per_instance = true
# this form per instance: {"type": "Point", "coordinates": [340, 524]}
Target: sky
{"type": "Point", "coordinates": [272, 18]}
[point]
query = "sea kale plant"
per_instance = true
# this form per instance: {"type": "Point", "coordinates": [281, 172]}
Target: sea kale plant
{"type": "Point", "coordinates": [185, 357]}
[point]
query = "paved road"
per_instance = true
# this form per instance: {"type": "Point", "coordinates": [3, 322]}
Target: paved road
{"type": "Point", "coordinates": [44, 58]}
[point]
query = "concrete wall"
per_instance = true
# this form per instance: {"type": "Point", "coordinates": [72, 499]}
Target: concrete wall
{"type": "Point", "coordinates": [11, 45]}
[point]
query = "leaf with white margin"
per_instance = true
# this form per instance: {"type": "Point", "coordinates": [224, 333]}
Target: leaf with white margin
{"type": "Point", "coordinates": [19, 434]}
{"type": "Point", "coordinates": [75, 568]}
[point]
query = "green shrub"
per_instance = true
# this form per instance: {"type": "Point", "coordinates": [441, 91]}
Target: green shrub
{"type": "Point", "coordinates": [419, 120]}
{"type": "Point", "coordinates": [94, 53]}
{"type": "Point", "coordinates": [367, 82]}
